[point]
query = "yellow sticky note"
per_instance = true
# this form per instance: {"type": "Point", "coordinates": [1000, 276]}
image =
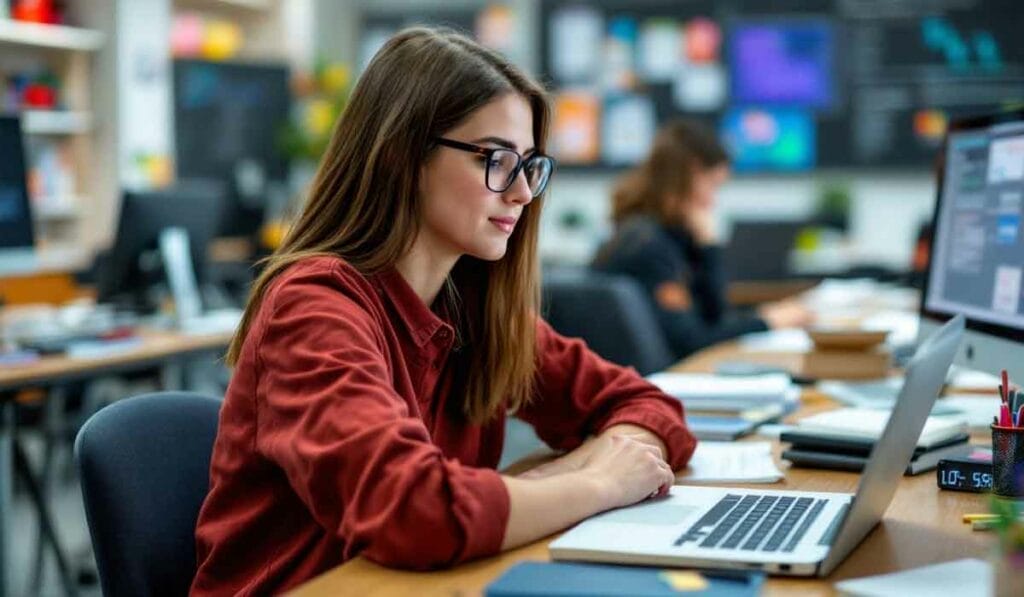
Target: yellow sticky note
{"type": "Point", "coordinates": [684, 581]}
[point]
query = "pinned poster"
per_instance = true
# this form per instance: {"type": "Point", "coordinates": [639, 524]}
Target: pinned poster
{"type": "Point", "coordinates": [700, 88]}
{"type": "Point", "coordinates": [619, 68]}
{"type": "Point", "coordinates": [574, 130]}
{"type": "Point", "coordinates": [658, 49]}
{"type": "Point", "coordinates": [627, 129]}
{"type": "Point", "coordinates": [575, 42]}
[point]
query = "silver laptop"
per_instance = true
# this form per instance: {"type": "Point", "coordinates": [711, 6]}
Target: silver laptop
{"type": "Point", "coordinates": [795, 533]}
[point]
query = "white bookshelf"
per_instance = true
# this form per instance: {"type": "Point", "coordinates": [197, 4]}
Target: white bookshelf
{"type": "Point", "coordinates": [56, 122]}
{"type": "Point", "coordinates": [58, 37]}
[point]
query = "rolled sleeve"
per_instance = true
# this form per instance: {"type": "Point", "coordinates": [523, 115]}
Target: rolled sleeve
{"type": "Point", "coordinates": [580, 394]}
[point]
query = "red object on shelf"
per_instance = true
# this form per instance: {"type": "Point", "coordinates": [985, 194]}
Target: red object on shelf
{"type": "Point", "coordinates": [35, 11]}
{"type": "Point", "coordinates": [37, 95]}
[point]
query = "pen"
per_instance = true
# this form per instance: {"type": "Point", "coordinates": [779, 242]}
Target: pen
{"type": "Point", "coordinates": [981, 516]}
{"type": "Point", "coordinates": [1004, 415]}
{"type": "Point", "coordinates": [1006, 385]}
{"type": "Point", "coordinates": [1020, 416]}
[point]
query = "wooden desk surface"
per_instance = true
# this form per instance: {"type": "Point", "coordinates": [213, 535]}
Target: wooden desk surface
{"type": "Point", "coordinates": [156, 346]}
{"type": "Point", "coordinates": [922, 526]}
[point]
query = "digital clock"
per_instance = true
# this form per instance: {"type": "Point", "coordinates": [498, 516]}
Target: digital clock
{"type": "Point", "coordinates": [964, 474]}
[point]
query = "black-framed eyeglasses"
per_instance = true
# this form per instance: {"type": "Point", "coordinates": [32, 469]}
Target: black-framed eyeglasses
{"type": "Point", "coordinates": [503, 166]}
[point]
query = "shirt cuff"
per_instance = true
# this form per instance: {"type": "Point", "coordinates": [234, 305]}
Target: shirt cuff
{"type": "Point", "coordinates": [679, 442]}
{"type": "Point", "coordinates": [485, 502]}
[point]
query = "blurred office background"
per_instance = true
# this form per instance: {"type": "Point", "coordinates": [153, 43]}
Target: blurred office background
{"type": "Point", "coordinates": [833, 111]}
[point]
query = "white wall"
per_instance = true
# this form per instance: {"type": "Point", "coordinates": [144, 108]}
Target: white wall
{"type": "Point", "coordinates": [887, 209]}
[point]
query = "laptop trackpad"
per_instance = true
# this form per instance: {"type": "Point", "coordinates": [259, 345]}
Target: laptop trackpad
{"type": "Point", "coordinates": [658, 512]}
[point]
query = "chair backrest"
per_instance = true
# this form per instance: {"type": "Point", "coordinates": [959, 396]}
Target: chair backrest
{"type": "Point", "coordinates": [145, 469]}
{"type": "Point", "coordinates": [611, 313]}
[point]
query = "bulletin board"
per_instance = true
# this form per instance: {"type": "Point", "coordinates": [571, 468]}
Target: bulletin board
{"type": "Point", "coordinates": [789, 85]}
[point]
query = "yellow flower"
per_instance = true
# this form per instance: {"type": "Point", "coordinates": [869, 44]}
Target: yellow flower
{"type": "Point", "coordinates": [335, 78]}
{"type": "Point", "coordinates": [319, 117]}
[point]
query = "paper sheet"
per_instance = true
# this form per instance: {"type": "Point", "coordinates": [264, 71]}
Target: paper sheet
{"type": "Point", "coordinates": [964, 578]}
{"type": "Point", "coordinates": [731, 462]}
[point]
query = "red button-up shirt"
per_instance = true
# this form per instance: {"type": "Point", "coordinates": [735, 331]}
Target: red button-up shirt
{"type": "Point", "coordinates": [337, 436]}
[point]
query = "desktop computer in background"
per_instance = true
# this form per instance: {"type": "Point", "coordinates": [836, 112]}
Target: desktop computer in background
{"type": "Point", "coordinates": [131, 274]}
{"type": "Point", "coordinates": [977, 251]}
{"type": "Point", "coordinates": [17, 246]}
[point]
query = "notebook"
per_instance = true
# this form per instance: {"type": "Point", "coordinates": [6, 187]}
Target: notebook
{"type": "Point", "coordinates": [728, 462]}
{"type": "Point", "coordinates": [920, 462]}
{"type": "Point", "coordinates": [869, 424]}
{"type": "Point", "coordinates": [559, 579]}
{"type": "Point", "coordinates": [705, 391]}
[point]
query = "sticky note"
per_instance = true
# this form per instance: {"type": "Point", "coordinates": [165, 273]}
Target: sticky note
{"type": "Point", "coordinates": [684, 581]}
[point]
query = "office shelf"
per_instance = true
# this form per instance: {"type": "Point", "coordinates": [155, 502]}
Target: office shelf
{"type": "Point", "coordinates": [49, 36]}
{"type": "Point", "coordinates": [56, 122]}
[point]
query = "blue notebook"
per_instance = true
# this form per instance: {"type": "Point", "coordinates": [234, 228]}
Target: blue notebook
{"type": "Point", "coordinates": [560, 579]}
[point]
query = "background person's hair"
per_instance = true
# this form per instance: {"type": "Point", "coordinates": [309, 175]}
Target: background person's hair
{"type": "Point", "coordinates": [364, 206]}
{"type": "Point", "coordinates": [679, 149]}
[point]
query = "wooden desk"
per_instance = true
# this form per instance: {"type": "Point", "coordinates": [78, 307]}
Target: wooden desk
{"type": "Point", "coordinates": [922, 526]}
{"type": "Point", "coordinates": [157, 348]}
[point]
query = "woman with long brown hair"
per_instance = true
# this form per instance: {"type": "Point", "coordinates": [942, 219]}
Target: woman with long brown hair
{"type": "Point", "coordinates": [665, 239]}
{"type": "Point", "coordinates": [387, 339]}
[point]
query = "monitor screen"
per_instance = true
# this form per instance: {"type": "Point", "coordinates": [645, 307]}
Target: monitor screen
{"type": "Point", "coordinates": [786, 62]}
{"type": "Point", "coordinates": [977, 255]}
{"type": "Point", "coordinates": [15, 210]}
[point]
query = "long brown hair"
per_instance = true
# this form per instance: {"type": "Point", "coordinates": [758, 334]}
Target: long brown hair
{"type": "Point", "coordinates": [680, 147]}
{"type": "Point", "coordinates": [363, 204]}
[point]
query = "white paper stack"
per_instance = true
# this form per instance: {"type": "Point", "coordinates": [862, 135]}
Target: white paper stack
{"type": "Point", "coordinates": [707, 392]}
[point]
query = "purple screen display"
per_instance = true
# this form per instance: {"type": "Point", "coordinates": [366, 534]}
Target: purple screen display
{"type": "Point", "coordinates": [783, 63]}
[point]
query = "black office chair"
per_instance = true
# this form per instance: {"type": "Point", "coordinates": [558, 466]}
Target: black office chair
{"type": "Point", "coordinates": [145, 466]}
{"type": "Point", "coordinates": [610, 313]}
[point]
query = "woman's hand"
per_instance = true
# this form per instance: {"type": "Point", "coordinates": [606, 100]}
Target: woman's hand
{"type": "Point", "coordinates": [627, 470]}
{"type": "Point", "coordinates": [789, 313]}
{"type": "Point", "coordinates": [700, 223]}
{"type": "Point", "coordinates": [574, 460]}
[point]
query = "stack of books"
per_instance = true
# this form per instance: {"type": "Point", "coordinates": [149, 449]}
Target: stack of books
{"type": "Point", "coordinates": [842, 439]}
{"type": "Point", "coordinates": [727, 407]}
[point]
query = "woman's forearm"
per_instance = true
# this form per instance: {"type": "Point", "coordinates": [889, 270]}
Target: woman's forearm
{"type": "Point", "coordinates": [539, 507]}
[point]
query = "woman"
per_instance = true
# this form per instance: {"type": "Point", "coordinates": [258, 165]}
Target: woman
{"type": "Point", "coordinates": [665, 239]}
{"type": "Point", "coordinates": [392, 331]}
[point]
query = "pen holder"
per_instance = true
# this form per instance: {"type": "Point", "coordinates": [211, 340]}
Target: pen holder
{"type": "Point", "coordinates": [1008, 461]}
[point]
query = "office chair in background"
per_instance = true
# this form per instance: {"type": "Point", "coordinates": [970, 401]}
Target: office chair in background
{"type": "Point", "coordinates": [610, 313]}
{"type": "Point", "coordinates": [145, 469]}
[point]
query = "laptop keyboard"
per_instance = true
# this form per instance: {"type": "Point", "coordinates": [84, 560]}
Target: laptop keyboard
{"type": "Point", "coordinates": [767, 523]}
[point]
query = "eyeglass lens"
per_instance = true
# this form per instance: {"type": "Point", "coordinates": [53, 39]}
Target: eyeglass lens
{"type": "Point", "coordinates": [504, 167]}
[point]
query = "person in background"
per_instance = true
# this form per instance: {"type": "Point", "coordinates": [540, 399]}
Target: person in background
{"type": "Point", "coordinates": [665, 239]}
{"type": "Point", "coordinates": [395, 329]}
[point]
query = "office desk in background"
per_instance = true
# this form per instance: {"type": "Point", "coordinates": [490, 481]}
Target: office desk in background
{"type": "Point", "coordinates": [164, 349]}
{"type": "Point", "coordinates": [922, 525]}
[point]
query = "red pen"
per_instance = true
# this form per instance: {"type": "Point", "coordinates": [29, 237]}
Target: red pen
{"type": "Point", "coordinates": [1006, 386]}
{"type": "Point", "coordinates": [1004, 416]}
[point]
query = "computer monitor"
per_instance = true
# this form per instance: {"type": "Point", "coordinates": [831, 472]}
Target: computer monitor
{"type": "Point", "coordinates": [17, 246]}
{"type": "Point", "coordinates": [228, 123]}
{"type": "Point", "coordinates": [132, 269]}
{"type": "Point", "coordinates": [977, 251]}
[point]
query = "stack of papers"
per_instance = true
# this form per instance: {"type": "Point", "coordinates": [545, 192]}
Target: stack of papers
{"type": "Point", "coordinates": [964, 578]}
{"type": "Point", "coordinates": [727, 462]}
{"type": "Point", "coordinates": [707, 392]}
{"type": "Point", "coordinates": [863, 423]}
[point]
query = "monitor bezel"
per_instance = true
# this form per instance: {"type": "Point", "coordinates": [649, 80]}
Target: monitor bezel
{"type": "Point", "coordinates": [955, 126]}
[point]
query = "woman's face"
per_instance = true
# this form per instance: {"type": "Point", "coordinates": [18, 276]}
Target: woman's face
{"type": "Point", "coordinates": [459, 214]}
{"type": "Point", "coordinates": [706, 182]}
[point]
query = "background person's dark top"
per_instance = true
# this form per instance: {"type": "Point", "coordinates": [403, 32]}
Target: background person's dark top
{"type": "Point", "coordinates": [654, 254]}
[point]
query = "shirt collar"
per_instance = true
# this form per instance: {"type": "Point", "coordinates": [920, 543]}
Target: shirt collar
{"type": "Point", "coordinates": [418, 319]}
